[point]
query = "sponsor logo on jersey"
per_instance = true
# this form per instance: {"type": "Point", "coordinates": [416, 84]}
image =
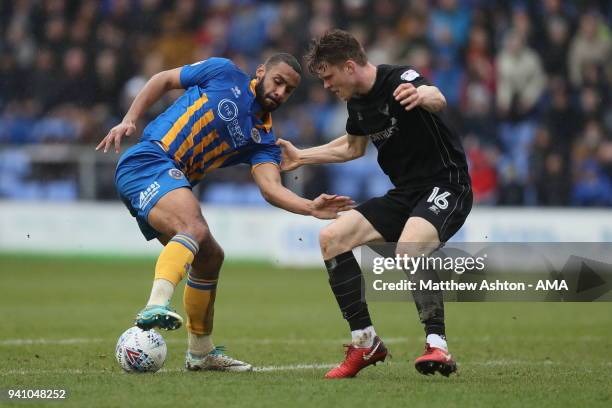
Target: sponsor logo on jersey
{"type": "Point", "coordinates": [255, 135]}
{"type": "Point", "coordinates": [227, 110]}
{"type": "Point", "coordinates": [176, 174]}
{"type": "Point", "coordinates": [359, 116]}
{"type": "Point", "coordinates": [385, 134]}
{"type": "Point", "coordinates": [235, 132]}
{"type": "Point", "coordinates": [147, 195]}
{"type": "Point", "coordinates": [410, 75]}
{"type": "Point", "coordinates": [236, 91]}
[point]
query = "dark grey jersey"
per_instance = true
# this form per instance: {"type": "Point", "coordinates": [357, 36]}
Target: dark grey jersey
{"type": "Point", "coordinates": [415, 148]}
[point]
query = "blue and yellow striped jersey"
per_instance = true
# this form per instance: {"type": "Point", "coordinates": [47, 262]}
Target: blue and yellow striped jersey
{"type": "Point", "coordinates": [215, 123]}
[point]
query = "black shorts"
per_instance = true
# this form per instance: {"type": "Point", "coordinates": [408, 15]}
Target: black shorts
{"type": "Point", "coordinates": [444, 205]}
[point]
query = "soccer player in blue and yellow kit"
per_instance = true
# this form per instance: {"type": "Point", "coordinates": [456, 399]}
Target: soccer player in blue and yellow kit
{"type": "Point", "coordinates": [222, 119]}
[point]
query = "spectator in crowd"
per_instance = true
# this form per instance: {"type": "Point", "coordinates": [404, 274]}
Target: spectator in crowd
{"type": "Point", "coordinates": [520, 78]}
{"type": "Point", "coordinates": [560, 118]}
{"type": "Point", "coordinates": [482, 170]}
{"type": "Point", "coordinates": [520, 84]}
{"type": "Point", "coordinates": [548, 170]}
{"type": "Point", "coordinates": [554, 51]}
{"type": "Point", "coordinates": [591, 44]}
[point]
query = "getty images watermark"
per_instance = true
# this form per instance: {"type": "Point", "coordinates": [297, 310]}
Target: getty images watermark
{"type": "Point", "coordinates": [490, 272]}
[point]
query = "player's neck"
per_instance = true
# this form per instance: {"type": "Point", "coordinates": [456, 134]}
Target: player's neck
{"type": "Point", "coordinates": [367, 79]}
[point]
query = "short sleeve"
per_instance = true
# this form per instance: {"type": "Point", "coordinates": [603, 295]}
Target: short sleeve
{"type": "Point", "coordinates": [411, 75]}
{"type": "Point", "coordinates": [201, 72]}
{"type": "Point", "coordinates": [352, 123]}
{"type": "Point", "coordinates": [265, 154]}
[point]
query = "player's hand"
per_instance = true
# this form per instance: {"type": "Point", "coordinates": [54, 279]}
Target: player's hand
{"type": "Point", "coordinates": [114, 136]}
{"type": "Point", "coordinates": [327, 206]}
{"type": "Point", "coordinates": [408, 96]}
{"type": "Point", "coordinates": [291, 155]}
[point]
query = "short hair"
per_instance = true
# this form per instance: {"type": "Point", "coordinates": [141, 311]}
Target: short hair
{"type": "Point", "coordinates": [334, 47]}
{"type": "Point", "coordinates": [287, 59]}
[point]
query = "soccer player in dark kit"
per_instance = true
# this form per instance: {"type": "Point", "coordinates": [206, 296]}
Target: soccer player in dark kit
{"type": "Point", "coordinates": [401, 113]}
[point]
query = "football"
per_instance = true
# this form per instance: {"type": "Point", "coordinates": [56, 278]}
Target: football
{"type": "Point", "coordinates": [140, 351]}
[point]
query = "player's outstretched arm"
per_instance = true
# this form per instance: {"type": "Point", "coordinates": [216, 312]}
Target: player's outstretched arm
{"type": "Point", "coordinates": [339, 150]}
{"type": "Point", "coordinates": [326, 206]}
{"type": "Point", "coordinates": [152, 92]}
{"type": "Point", "coordinates": [426, 96]}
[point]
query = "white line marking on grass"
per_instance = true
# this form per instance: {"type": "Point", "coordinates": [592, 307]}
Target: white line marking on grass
{"type": "Point", "coordinates": [86, 340]}
{"type": "Point", "coordinates": [74, 371]}
{"type": "Point", "coordinates": [293, 367]}
{"type": "Point", "coordinates": [291, 341]}
{"type": "Point", "coordinates": [54, 342]}
{"type": "Point", "coordinates": [80, 371]}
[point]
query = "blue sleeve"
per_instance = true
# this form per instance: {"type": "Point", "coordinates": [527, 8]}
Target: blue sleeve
{"type": "Point", "coordinates": [265, 154]}
{"type": "Point", "coordinates": [201, 72]}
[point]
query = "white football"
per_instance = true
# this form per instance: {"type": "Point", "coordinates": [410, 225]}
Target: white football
{"type": "Point", "coordinates": [140, 351]}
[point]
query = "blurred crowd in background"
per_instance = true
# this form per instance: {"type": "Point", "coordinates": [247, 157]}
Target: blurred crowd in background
{"type": "Point", "coordinates": [527, 82]}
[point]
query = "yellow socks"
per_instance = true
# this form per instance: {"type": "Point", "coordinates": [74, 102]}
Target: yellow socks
{"type": "Point", "coordinates": [199, 301]}
{"type": "Point", "coordinates": [199, 297]}
{"type": "Point", "coordinates": [172, 265]}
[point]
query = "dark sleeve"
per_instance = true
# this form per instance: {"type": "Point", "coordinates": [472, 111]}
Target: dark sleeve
{"type": "Point", "coordinates": [408, 74]}
{"type": "Point", "coordinates": [352, 123]}
{"type": "Point", "coordinates": [402, 75]}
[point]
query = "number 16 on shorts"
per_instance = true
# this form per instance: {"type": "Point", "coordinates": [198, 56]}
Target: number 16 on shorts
{"type": "Point", "coordinates": [439, 198]}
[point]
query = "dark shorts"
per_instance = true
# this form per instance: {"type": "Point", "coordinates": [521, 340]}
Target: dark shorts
{"type": "Point", "coordinates": [444, 205]}
{"type": "Point", "coordinates": [145, 173]}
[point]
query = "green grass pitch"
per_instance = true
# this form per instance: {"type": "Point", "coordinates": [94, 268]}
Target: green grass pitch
{"type": "Point", "coordinates": [61, 318]}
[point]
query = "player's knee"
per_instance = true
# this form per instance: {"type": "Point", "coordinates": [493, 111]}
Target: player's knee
{"type": "Point", "coordinates": [331, 242]}
{"type": "Point", "coordinates": [200, 232]}
{"type": "Point", "coordinates": [326, 237]}
{"type": "Point", "coordinates": [414, 249]}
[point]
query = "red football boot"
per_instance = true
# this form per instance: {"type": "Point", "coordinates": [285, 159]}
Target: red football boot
{"type": "Point", "coordinates": [358, 358]}
{"type": "Point", "coordinates": [435, 359]}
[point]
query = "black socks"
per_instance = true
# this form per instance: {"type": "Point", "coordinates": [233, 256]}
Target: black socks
{"type": "Point", "coordinates": [347, 283]}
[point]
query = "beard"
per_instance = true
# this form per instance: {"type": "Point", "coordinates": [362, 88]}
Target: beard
{"type": "Point", "coordinates": [267, 104]}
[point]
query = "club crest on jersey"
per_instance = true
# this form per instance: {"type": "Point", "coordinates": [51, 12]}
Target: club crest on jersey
{"type": "Point", "coordinates": [255, 135]}
{"type": "Point", "coordinates": [410, 75]}
{"type": "Point", "coordinates": [227, 110]}
{"type": "Point", "coordinates": [176, 174]}
{"type": "Point", "coordinates": [384, 109]}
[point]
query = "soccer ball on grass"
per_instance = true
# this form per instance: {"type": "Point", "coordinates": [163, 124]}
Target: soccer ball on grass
{"type": "Point", "coordinates": [140, 351]}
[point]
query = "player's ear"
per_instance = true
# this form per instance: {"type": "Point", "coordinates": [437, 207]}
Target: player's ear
{"type": "Point", "coordinates": [350, 66]}
{"type": "Point", "coordinates": [260, 72]}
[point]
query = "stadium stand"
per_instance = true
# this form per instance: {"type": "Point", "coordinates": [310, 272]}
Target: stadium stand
{"type": "Point", "coordinates": [527, 82]}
